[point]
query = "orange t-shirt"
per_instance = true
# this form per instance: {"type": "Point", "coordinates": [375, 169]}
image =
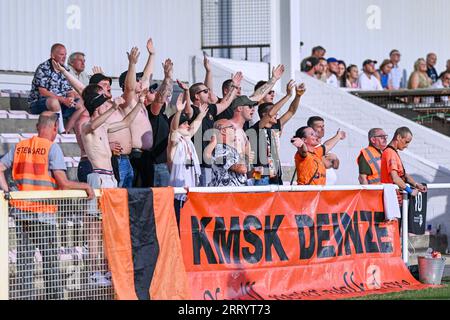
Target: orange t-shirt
{"type": "Point", "coordinates": [311, 170]}
{"type": "Point", "coordinates": [390, 161]}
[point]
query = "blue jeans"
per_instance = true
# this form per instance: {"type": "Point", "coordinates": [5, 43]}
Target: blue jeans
{"type": "Point", "coordinates": [264, 181]}
{"type": "Point", "coordinates": [161, 175]}
{"type": "Point", "coordinates": [126, 172]}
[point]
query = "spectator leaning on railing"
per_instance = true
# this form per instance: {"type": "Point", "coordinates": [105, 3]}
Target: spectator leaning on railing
{"type": "Point", "coordinates": [50, 90]}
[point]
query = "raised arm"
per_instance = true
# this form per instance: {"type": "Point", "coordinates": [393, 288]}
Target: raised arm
{"type": "Point", "coordinates": [149, 66]}
{"type": "Point", "coordinates": [301, 146]}
{"type": "Point", "coordinates": [196, 124]}
{"type": "Point", "coordinates": [130, 79]}
{"type": "Point", "coordinates": [126, 122]}
{"type": "Point", "coordinates": [74, 82]}
{"type": "Point", "coordinates": [188, 107]}
{"type": "Point", "coordinates": [330, 144]}
{"type": "Point", "coordinates": [165, 90]}
{"type": "Point", "coordinates": [209, 79]}
{"type": "Point", "coordinates": [92, 125]}
{"type": "Point", "coordinates": [278, 105]}
{"type": "Point", "coordinates": [226, 101]}
{"type": "Point", "coordinates": [74, 118]}
{"type": "Point", "coordinates": [176, 118]}
{"type": "Point", "coordinates": [264, 90]}
{"type": "Point", "coordinates": [300, 90]}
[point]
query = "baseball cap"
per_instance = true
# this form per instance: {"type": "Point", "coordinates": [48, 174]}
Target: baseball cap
{"type": "Point", "coordinates": [369, 61]}
{"type": "Point", "coordinates": [242, 101]}
{"type": "Point", "coordinates": [96, 78]}
{"type": "Point", "coordinates": [331, 60]}
{"type": "Point", "coordinates": [122, 77]}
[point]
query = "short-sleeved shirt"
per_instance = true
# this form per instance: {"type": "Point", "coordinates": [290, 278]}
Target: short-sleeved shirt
{"type": "Point", "coordinates": [161, 129]}
{"type": "Point", "coordinates": [390, 161]}
{"type": "Point", "coordinates": [55, 158]}
{"type": "Point", "coordinates": [46, 77]}
{"type": "Point", "coordinates": [310, 169]}
{"type": "Point", "coordinates": [207, 124]}
{"type": "Point", "coordinates": [224, 157]}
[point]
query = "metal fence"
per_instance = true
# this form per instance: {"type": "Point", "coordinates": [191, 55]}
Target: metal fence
{"type": "Point", "coordinates": [427, 107]}
{"type": "Point", "coordinates": [56, 249]}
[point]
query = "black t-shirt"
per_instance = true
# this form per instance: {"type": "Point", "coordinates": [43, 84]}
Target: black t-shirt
{"type": "Point", "coordinates": [207, 124]}
{"type": "Point", "coordinates": [263, 139]}
{"type": "Point", "coordinates": [228, 114]}
{"type": "Point", "coordinates": [161, 130]}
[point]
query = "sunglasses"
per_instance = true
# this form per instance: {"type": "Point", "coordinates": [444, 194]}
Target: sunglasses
{"type": "Point", "coordinates": [203, 91]}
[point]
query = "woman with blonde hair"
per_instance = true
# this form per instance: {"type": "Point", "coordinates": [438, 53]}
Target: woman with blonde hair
{"type": "Point", "coordinates": [419, 79]}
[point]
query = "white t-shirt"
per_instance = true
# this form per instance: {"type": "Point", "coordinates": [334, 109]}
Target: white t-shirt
{"type": "Point", "coordinates": [364, 83]}
{"type": "Point", "coordinates": [332, 81]}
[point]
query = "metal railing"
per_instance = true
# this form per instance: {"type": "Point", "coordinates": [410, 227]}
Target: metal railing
{"type": "Point", "coordinates": [60, 256]}
{"type": "Point", "coordinates": [230, 48]}
{"type": "Point", "coordinates": [429, 107]}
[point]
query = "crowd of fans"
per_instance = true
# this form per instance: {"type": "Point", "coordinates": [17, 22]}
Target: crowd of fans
{"type": "Point", "coordinates": [389, 76]}
{"type": "Point", "coordinates": [139, 140]}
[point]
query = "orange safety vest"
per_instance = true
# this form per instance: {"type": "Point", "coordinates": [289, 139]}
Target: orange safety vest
{"type": "Point", "coordinates": [311, 170]}
{"type": "Point", "coordinates": [30, 173]}
{"type": "Point", "coordinates": [373, 158]}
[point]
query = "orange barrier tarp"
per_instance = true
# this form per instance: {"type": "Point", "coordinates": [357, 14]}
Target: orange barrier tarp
{"type": "Point", "coordinates": [296, 245]}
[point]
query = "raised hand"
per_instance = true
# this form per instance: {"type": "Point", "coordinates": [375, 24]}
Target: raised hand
{"type": "Point", "coordinates": [206, 63]}
{"type": "Point", "coordinates": [237, 78]}
{"type": "Point", "coordinates": [133, 56]}
{"type": "Point", "coordinates": [180, 104]}
{"type": "Point", "coordinates": [168, 68]}
{"type": "Point", "coordinates": [150, 47]}
{"type": "Point", "coordinates": [182, 85]}
{"type": "Point", "coordinates": [203, 110]}
{"type": "Point", "coordinates": [300, 89]}
{"type": "Point", "coordinates": [97, 69]}
{"type": "Point", "coordinates": [297, 142]}
{"type": "Point", "coordinates": [277, 72]}
{"type": "Point", "coordinates": [289, 87]}
{"type": "Point", "coordinates": [342, 135]}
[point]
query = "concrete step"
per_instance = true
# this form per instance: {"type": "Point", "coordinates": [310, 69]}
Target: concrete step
{"type": "Point", "coordinates": [14, 102]}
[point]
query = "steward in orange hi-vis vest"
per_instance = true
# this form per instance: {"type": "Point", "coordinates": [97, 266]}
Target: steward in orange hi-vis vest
{"type": "Point", "coordinates": [30, 169]}
{"type": "Point", "coordinates": [373, 158]}
{"type": "Point", "coordinates": [30, 173]}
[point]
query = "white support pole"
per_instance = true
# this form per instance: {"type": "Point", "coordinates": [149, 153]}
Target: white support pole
{"type": "Point", "coordinates": [405, 240]}
{"type": "Point", "coordinates": [4, 247]}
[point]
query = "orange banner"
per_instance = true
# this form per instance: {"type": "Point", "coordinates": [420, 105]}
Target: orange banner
{"type": "Point", "coordinates": [295, 245]}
